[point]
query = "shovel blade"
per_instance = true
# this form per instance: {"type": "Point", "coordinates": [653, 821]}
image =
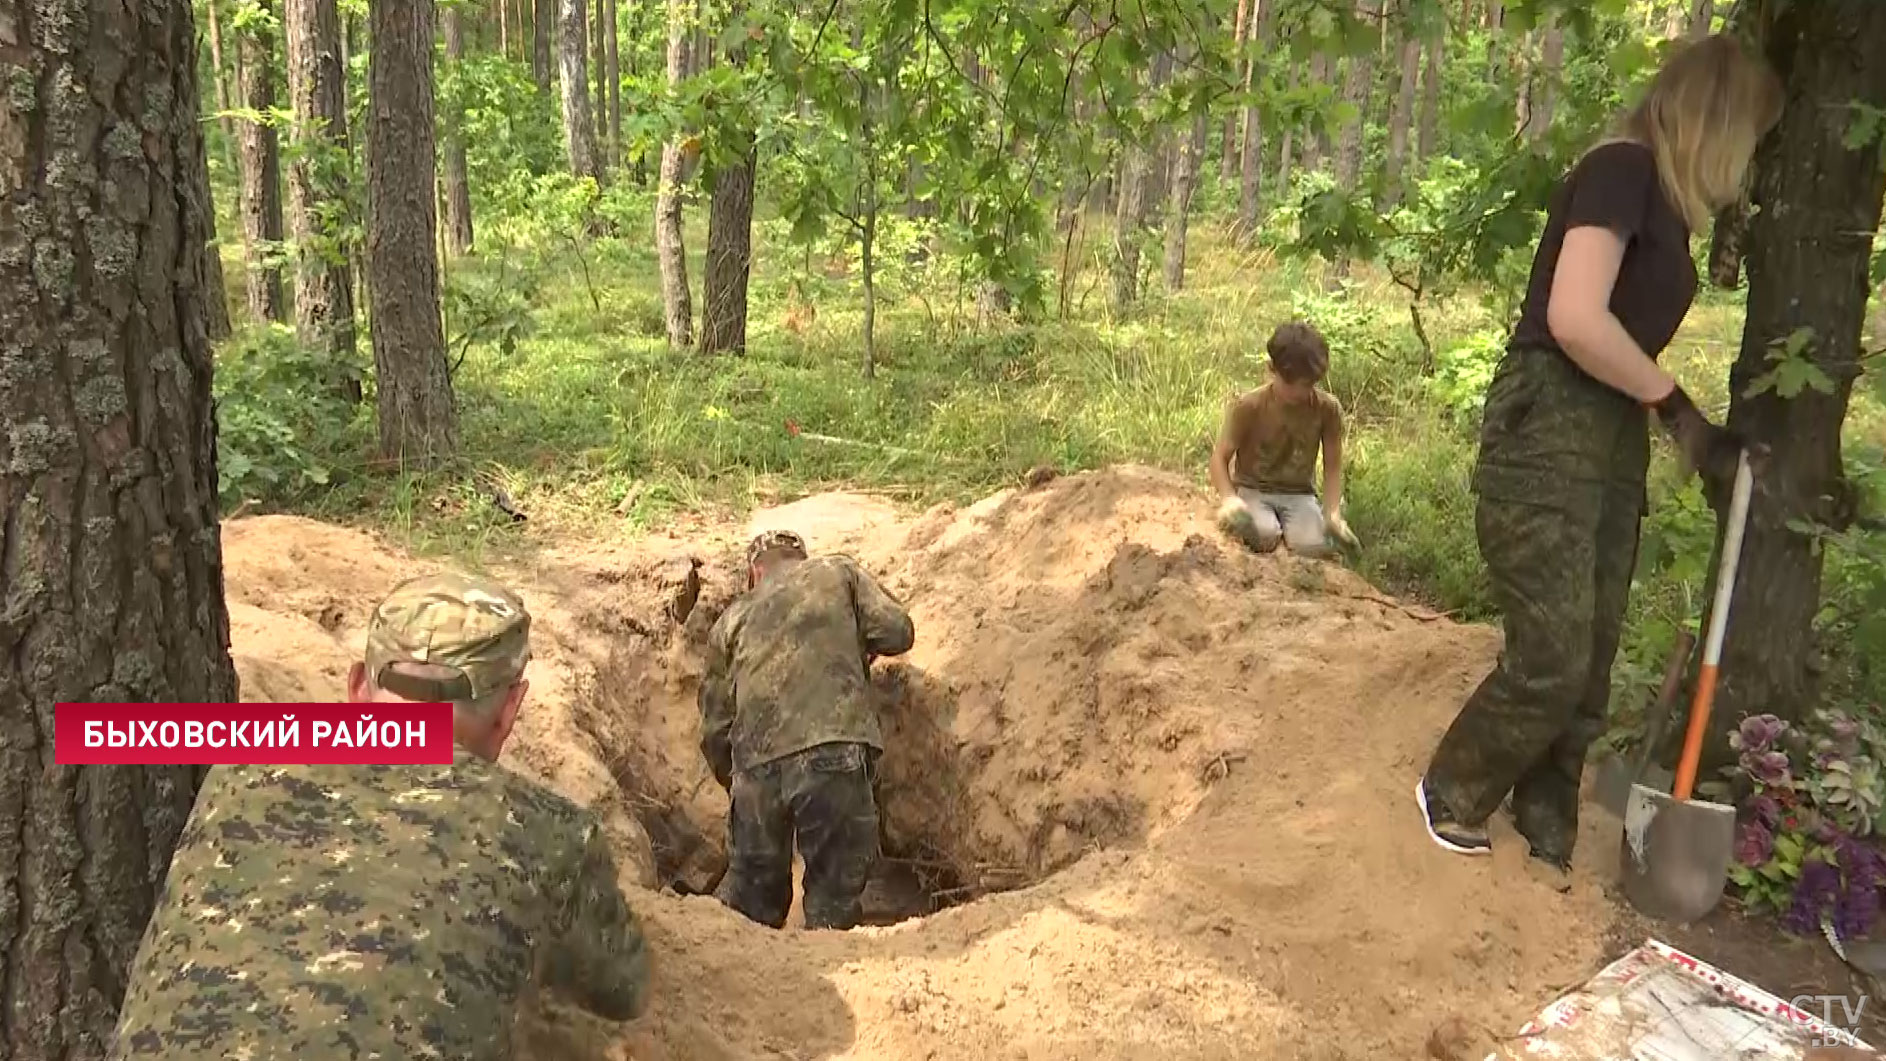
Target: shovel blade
{"type": "Point", "coordinates": [1675, 857]}
{"type": "Point", "coordinates": [1613, 780]}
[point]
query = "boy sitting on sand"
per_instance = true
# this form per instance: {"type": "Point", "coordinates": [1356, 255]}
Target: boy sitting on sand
{"type": "Point", "coordinates": [1266, 453]}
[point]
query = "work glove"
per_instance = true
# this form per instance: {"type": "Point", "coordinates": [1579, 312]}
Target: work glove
{"type": "Point", "coordinates": [1338, 528]}
{"type": "Point", "coordinates": [1711, 452]}
{"type": "Point", "coordinates": [1235, 519]}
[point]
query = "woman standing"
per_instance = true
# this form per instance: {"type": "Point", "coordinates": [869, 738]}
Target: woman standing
{"type": "Point", "coordinates": [1564, 442]}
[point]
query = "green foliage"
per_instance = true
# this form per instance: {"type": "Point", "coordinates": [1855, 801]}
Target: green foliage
{"type": "Point", "coordinates": [1794, 368]}
{"type": "Point", "coordinates": [281, 422]}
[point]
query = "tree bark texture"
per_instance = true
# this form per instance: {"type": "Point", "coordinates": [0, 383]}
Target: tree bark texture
{"type": "Point", "coordinates": [1400, 120]}
{"type": "Point", "coordinates": [1355, 91]}
{"type": "Point", "coordinates": [579, 126]}
{"type": "Point", "coordinates": [1809, 247]}
{"type": "Point", "coordinates": [221, 83]}
{"type": "Point", "coordinates": [1322, 68]}
{"type": "Point", "coordinates": [1178, 215]}
{"type": "Point", "coordinates": [1428, 140]}
{"type": "Point", "coordinates": [1541, 94]}
{"type": "Point", "coordinates": [613, 71]}
{"type": "Point", "coordinates": [111, 570]}
{"type": "Point", "coordinates": [458, 205]}
{"type": "Point", "coordinates": [1287, 149]}
{"type": "Point", "coordinates": [670, 249]}
{"type": "Point", "coordinates": [1128, 212]}
{"type": "Point", "coordinates": [261, 175]}
{"type": "Point", "coordinates": [418, 417]}
{"type": "Point", "coordinates": [1229, 156]}
{"type": "Point", "coordinates": [730, 241]}
{"type": "Point", "coordinates": [542, 53]}
{"type": "Point", "coordinates": [318, 179]}
{"type": "Point", "coordinates": [599, 60]}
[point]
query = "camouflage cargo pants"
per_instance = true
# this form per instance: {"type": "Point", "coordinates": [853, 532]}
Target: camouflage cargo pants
{"type": "Point", "coordinates": [822, 797]}
{"type": "Point", "coordinates": [1560, 486]}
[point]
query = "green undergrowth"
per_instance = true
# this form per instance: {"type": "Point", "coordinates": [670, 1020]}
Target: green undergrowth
{"type": "Point", "coordinates": [573, 406]}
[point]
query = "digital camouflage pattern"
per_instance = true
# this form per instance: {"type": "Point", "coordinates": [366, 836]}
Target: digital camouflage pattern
{"type": "Point", "coordinates": [366, 912]}
{"type": "Point", "coordinates": [788, 664]}
{"type": "Point", "coordinates": [822, 797]}
{"type": "Point", "coordinates": [476, 630]}
{"type": "Point", "coordinates": [1561, 500]}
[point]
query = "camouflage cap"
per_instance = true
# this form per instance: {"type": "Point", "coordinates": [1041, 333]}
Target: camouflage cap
{"type": "Point", "coordinates": [766, 541]}
{"type": "Point", "coordinates": [473, 633]}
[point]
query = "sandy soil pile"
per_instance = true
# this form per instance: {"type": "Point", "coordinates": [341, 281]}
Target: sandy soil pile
{"type": "Point", "coordinates": [1201, 763]}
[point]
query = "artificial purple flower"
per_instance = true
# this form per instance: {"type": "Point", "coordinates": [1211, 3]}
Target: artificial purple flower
{"type": "Point", "coordinates": [1758, 733]}
{"type": "Point", "coordinates": [1754, 844]}
{"type": "Point", "coordinates": [1769, 768]}
{"type": "Point", "coordinates": [1828, 833]}
{"type": "Point", "coordinates": [1766, 810]}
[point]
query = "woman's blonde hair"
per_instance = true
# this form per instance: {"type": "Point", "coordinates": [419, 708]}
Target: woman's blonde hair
{"type": "Point", "coordinates": [1702, 116]}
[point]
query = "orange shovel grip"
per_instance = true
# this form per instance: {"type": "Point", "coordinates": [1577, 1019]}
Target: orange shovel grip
{"type": "Point", "coordinates": [1693, 737]}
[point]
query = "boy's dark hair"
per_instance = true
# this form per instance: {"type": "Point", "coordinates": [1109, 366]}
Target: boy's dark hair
{"type": "Point", "coordinates": [1298, 353]}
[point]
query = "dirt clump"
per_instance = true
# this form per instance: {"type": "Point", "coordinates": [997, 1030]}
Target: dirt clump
{"type": "Point", "coordinates": [1177, 777]}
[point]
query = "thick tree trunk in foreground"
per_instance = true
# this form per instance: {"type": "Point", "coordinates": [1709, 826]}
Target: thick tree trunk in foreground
{"type": "Point", "coordinates": [113, 564]}
{"type": "Point", "coordinates": [1808, 252]}
{"type": "Point", "coordinates": [542, 53]}
{"type": "Point", "coordinates": [418, 417]}
{"type": "Point", "coordinates": [458, 207]}
{"type": "Point", "coordinates": [579, 126]}
{"type": "Point", "coordinates": [317, 84]}
{"type": "Point", "coordinates": [670, 250]}
{"type": "Point", "coordinates": [261, 176]}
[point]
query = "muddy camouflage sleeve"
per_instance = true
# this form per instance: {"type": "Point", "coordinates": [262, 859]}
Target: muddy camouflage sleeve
{"type": "Point", "coordinates": [717, 702]}
{"type": "Point", "coordinates": [883, 622]}
{"type": "Point", "coordinates": [598, 958]}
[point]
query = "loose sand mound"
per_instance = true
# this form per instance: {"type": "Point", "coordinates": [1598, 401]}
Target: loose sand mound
{"type": "Point", "coordinates": [1177, 777]}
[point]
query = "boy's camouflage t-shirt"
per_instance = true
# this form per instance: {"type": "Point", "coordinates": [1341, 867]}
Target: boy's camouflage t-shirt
{"type": "Point", "coordinates": [1275, 441]}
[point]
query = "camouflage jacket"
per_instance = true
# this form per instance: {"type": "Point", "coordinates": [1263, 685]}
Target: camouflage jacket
{"type": "Point", "coordinates": [365, 912]}
{"type": "Point", "coordinates": [788, 664]}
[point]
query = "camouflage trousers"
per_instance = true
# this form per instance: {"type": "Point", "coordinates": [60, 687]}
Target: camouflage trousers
{"type": "Point", "coordinates": [1560, 489]}
{"type": "Point", "coordinates": [824, 799]}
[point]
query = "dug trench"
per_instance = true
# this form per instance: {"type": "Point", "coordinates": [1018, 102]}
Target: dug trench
{"type": "Point", "coordinates": [1141, 790]}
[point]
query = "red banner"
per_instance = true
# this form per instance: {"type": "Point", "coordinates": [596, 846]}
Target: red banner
{"type": "Point", "coordinates": [259, 734]}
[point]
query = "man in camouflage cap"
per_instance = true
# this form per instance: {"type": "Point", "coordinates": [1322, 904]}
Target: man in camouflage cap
{"type": "Point", "coordinates": [789, 728]}
{"type": "Point", "coordinates": [315, 912]}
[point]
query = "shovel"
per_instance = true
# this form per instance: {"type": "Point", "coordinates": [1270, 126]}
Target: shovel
{"type": "Point", "coordinates": [1617, 774]}
{"type": "Point", "coordinates": [1676, 852]}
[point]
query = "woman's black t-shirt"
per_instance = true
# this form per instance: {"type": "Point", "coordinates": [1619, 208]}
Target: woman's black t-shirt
{"type": "Point", "coordinates": [1616, 186]}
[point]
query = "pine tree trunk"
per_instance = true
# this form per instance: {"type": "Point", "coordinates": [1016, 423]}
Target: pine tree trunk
{"type": "Point", "coordinates": [1809, 247]}
{"type": "Point", "coordinates": [1229, 156]}
{"type": "Point", "coordinates": [1128, 211]}
{"type": "Point", "coordinates": [613, 72]}
{"type": "Point", "coordinates": [599, 57]}
{"type": "Point", "coordinates": [1314, 142]}
{"type": "Point", "coordinates": [579, 126]}
{"type": "Point", "coordinates": [1541, 92]}
{"type": "Point", "coordinates": [543, 60]}
{"type": "Point", "coordinates": [1178, 215]}
{"type": "Point", "coordinates": [261, 176]}
{"type": "Point", "coordinates": [112, 565]}
{"type": "Point", "coordinates": [1400, 120]}
{"type": "Point", "coordinates": [458, 206]}
{"type": "Point", "coordinates": [670, 249]}
{"type": "Point", "coordinates": [1251, 142]}
{"type": "Point", "coordinates": [1429, 139]}
{"type": "Point", "coordinates": [1356, 84]}
{"type": "Point", "coordinates": [729, 241]}
{"type": "Point", "coordinates": [221, 83]}
{"type": "Point", "coordinates": [1287, 149]}
{"type": "Point", "coordinates": [418, 416]}
{"type": "Point", "coordinates": [317, 182]}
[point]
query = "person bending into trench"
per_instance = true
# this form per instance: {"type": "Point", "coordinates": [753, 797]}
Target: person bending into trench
{"type": "Point", "coordinates": [789, 729]}
{"type": "Point", "coordinates": [1564, 444]}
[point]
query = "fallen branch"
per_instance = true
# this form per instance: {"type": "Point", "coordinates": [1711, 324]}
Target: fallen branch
{"type": "Point", "coordinates": [1423, 614]}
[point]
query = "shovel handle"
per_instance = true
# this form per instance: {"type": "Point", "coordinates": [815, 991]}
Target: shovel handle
{"type": "Point", "coordinates": [1718, 625]}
